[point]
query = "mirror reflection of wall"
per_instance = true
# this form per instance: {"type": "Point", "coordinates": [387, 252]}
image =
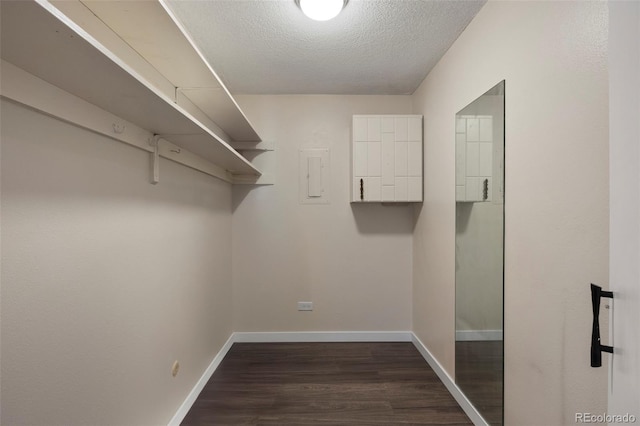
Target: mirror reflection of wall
{"type": "Point", "coordinates": [480, 252]}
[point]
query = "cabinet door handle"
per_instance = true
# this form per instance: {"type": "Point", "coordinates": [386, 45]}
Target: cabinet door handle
{"type": "Point", "coordinates": [361, 189]}
{"type": "Point", "coordinates": [485, 190]}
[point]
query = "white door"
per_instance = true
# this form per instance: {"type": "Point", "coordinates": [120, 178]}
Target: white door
{"type": "Point", "coordinates": [624, 75]}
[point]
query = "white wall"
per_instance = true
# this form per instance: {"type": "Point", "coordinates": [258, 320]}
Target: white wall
{"type": "Point", "coordinates": [352, 261]}
{"type": "Point", "coordinates": [624, 69]}
{"type": "Point", "coordinates": [553, 57]}
{"type": "Point", "coordinates": [106, 279]}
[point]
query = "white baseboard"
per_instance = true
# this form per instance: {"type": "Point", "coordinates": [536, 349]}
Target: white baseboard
{"type": "Point", "coordinates": [455, 391]}
{"type": "Point", "coordinates": [322, 336]}
{"type": "Point", "coordinates": [473, 335]}
{"type": "Point", "coordinates": [193, 395]}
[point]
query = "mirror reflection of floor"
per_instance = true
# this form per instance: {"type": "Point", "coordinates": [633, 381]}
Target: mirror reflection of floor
{"type": "Point", "coordinates": [479, 374]}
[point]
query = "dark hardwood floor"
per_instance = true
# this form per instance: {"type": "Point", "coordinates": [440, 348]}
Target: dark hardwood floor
{"type": "Point", "coordinates": [325, 383]}
{"type": "Point", "coordinates": [479, 373]}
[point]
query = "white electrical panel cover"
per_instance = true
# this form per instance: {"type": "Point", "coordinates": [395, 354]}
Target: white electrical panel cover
{"type": "Point", "coordinates": [314, 176]}
{"type": "Point", "coordinates": [386, 158]}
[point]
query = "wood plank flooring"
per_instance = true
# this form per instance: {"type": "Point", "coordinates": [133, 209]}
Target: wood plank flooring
{"type": "Point", "coordinates": [479, 374]}
{"type": "Point", "coordinates": [325, 383]}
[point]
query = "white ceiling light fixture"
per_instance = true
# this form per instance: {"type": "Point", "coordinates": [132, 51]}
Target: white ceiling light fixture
{"type": "Point", "coordinates": [321, 10]}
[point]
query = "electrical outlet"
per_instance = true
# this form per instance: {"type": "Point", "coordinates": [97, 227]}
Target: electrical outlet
{"type": "Point", "coordinates": [305, 306]}
{"type": "Point", "coordinates": [174, 368]}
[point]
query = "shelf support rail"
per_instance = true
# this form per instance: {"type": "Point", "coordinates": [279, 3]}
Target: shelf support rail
{"type": "Point", "coordinates": [23, 88]}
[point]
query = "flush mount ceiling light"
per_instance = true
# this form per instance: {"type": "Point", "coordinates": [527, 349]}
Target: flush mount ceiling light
{"type": "Point", "coordinates": [321, 10]}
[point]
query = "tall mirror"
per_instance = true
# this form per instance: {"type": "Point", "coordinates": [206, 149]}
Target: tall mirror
{"type": "Point", "coordinates": [480, 252]}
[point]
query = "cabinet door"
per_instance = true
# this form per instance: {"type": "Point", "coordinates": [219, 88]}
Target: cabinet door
{"type": "Point", "coordinates": [360, 159]}
{"type": "Point", "coordinates": [373, 189]}
{"type": "Point", "coordinates": [357, 188]}
{"type": "Point", "coordinates": [402, 189]}
{"type": "Point", "coordinates": [414, 188]}
{"type": "Point", "coordinates": [374, 159]}
{"type": "Point", "coordinates": [367, 188]}
{"type": "Point", "coordinates": [414, 167]}
{"type": "Point", "coordinates": [474, 158]}
{"type": "Point", "coordinates": [387, 158]}
{"type": "Point", "coordinates": [401, 158]}
{"type": "Point", "coordinates": [360, 129]}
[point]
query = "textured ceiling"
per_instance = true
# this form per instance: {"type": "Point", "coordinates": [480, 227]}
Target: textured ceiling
{"type": "Point", "coordinates": [372, 47]}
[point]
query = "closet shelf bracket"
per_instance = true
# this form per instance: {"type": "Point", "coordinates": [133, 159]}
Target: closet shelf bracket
{"type": "Point", "coordinates": [154, 141]}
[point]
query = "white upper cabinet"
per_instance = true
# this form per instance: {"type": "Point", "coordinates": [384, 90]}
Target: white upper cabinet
{"type": "Point", "coordinates": [386, 158]}
{"type": "Point", "coordinates": [474, 158]}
